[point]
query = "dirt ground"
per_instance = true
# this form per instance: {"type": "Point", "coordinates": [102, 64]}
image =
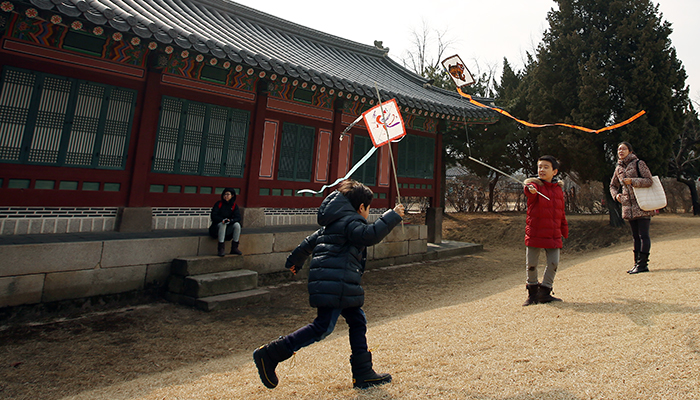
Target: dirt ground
{"type": "Point", "coordinates": [450, 329]}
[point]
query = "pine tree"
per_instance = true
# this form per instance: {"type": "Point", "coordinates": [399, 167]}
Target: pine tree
{"type": "Point", "coordinates": [600, 62]}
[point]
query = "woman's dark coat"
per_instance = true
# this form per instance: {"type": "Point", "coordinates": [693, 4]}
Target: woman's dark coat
{"type": "Point", "coordinates": [340, 252]}
{"type": "Point", "coordinates": [224, 210]}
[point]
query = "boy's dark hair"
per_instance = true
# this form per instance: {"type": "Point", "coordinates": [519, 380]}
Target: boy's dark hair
{"type": "Point", "coordinates": [356, 192]}
{"type": "Point", "coordinates": [628, 145]}
{"type": "Point", "coordinates": [552, 160]}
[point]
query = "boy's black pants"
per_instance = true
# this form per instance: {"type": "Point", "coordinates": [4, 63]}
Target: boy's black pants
{"type": "Point", "coordinates": [324, 324]}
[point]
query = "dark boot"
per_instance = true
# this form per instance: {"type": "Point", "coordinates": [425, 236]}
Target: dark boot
{"type": "Point", "coordinates": [266, 359]}
{"type": "Point", "coordinates": [234, 248]}
{"type": "Point", "coordinates": [544, 295]}
{"type": "Point", "coordinates": [221, 249]}
{"type": "Point", "coordinates": [532, 290]}
{"type": "Point", "coordinates": [636, 261]}
{"type": "Point", "coordinates": [642, 265]}
{"type": "Point", "coordinates": [363, 376]}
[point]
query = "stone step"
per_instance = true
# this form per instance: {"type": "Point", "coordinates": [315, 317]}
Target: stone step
{"type": "Point", "coordinates": [198, 265]}
{"type": "Point", "coordinates": [231, 300]}
{"type": "Point", "coordinates": [205, 285]}
{"type": "Point", "coordinates": [449, 249]}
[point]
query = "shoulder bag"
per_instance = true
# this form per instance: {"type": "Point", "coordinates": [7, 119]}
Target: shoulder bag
{"type": "Point", "coordinates": [650, 198]}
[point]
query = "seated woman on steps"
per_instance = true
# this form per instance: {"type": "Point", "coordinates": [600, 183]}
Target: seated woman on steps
{"type": "Point", "coordinates": [226, 222]}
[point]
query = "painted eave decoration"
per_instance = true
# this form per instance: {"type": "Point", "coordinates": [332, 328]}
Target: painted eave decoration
{"type": "Point", "coordinates": [227, 35]}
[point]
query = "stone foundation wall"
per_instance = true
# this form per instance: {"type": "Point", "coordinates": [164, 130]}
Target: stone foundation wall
{"type": "Point", "coordinates": [49, 272]}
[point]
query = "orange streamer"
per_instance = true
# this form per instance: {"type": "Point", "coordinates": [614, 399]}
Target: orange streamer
{"type": "Point", "coordinates": [581, 128]}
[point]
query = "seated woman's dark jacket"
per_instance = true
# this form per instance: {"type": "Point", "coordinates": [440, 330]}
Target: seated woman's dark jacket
{"type": "Point", "coordinates": [222, 210]}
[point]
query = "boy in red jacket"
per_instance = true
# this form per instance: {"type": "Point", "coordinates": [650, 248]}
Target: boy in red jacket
{"type": "Point", "coordinates": [545, 226]}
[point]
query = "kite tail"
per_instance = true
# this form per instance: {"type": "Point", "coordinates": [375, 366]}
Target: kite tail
{"type": "Point", "coordinates": [531, 125]}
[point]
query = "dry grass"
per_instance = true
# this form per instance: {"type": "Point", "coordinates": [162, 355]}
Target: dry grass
{"type": "Point", "coordinates": [455, 330]}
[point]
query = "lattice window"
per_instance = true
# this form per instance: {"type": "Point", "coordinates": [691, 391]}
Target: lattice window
{"type": "Point", "coordinates": [367, 173]}
{"type": "Point", "coordinates": [416, 157]}
{"type": "Point", "coordinates": [296, 152]}
{"type": "Point", "coordinates": [200, 139]}
{"type": "Point", "coordinates": [53, 120]}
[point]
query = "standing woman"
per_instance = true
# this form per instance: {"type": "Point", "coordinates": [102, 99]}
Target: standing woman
{"type": "Point", "coordinates": [633, 172]}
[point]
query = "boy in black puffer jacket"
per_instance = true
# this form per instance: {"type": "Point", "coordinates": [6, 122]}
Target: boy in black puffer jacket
{"type": "Point", "coordinates": [337, 264]}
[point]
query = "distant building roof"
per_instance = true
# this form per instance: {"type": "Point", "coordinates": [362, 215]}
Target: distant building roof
{"type": "Point", "coordinates": [228, 30]}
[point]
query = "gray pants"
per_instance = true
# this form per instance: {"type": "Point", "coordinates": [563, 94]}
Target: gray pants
{"type": "Point", "coordinates": [532, 257]}
{"type": "Point", "coordinates": [236, 231]}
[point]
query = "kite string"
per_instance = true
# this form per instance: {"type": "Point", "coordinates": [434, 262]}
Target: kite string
{"type": "Point", "coordinates": [469, 149]}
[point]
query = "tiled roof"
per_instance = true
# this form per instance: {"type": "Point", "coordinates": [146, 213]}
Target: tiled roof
{"type": "Point", "coordinates": [241, 34]}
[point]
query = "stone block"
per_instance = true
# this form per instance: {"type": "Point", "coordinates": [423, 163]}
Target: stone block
{"type": "Point", "coordinates": [370, 253]}
{"type": "Point", "coordinates": [231, 300]}
{"type": "Point", "coordinates": [8, 227]}
{"type": "Point", "coordinates": [35, 225]}
{"type": "Point", "coordinates": [73, 225]}
{"type": "Point", "coordinates": [22, 227]}
{"type": "Point", "coordinates": [119, 253]}
{"type": "Point", "coordinates": [285, 242]}
{"type": "Point", "coordinates": [417, 246]}
{"type": "Point", "coordinates": [220, 283]}
{"type": "Point", "coordinates": [257, 243]}
{"type": "Point", "coordinates": [265, 263]}
{"type": "Point", "coordinates": [61, 225]}
{"type": "Point", "coordinates": [390, 249]}
{"type": "Point", "coordinates": [19, 290]}
{"type": "Point", "coordinates": [41, 258]}
{"type": "Point", "coordinates": [423, 229]}
{"type": "Point", "coordinates": [176, 284]}
{"type": "Point", "coordinates": [134, 219]}
{"type": "Point", "coordinates": [197, 265]}
{"type": "Point", "coordinates": [157, 273]}
{"type": "Point", "coordinates": [252, 217]}
{"type": "Point", "coordinates": [399, 234]}
{"type": "Point", "coordinates": [86, 225]}
{"type": "Point", "coordinates": [49, 225]}
{"type": "Point", "coordinates": [95, 282]}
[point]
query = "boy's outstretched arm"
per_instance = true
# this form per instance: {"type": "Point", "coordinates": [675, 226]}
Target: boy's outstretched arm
{"type": "Point", "coordinates": [298, 256]}
{"type": "Point", "coordinates": [370, 234]}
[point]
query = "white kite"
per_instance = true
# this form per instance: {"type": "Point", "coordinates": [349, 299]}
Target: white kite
{"type": "Point", "coordinates": [381, 130]}
{"type": "Point", "coordinates": [375, 123]}
{"type": "Point", "coordinates": [458, 71]}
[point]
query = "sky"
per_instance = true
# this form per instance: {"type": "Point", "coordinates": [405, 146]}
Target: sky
{"type": "Point", "coordinates": [481, 32]}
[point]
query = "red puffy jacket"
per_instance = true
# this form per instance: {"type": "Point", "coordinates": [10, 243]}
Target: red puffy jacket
{"type": "Point", "coordinates": [546, 219]}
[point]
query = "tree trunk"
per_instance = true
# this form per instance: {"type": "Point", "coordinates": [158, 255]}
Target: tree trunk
{"type": "Point", "coordinates": [614, 208]}
{"type": "Point", "coordinates": [492, 190]}
{"type": "Point", "coordinates": [693, 193]}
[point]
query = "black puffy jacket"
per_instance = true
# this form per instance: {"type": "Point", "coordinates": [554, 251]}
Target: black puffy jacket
{"type": "Point", "coordinates": [340, 252]}
{"type": "Point", "coordinates": [224, 210]}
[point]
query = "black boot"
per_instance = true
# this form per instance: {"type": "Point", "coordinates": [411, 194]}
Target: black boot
{"type": "Point", "coordinates": [221, 249]}
{"type": "Point", "coordinates": [636, 261]}
{"type": "Point", "coordinates": [266, 359]}
{"type": "Point", "coordinates": [532, 290]}
{"type": "Point", "coordinates": [363, 376]}
{"type": "Point", "coordinates": [234, 248]}
{"type": "Point", "coordinates": [544, 295]}
{"type": "Point", "coordinates": [642, 265]}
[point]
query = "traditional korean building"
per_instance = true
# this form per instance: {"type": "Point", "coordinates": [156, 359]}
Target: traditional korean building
{"type": "Point", "coordinates": [150, 108]}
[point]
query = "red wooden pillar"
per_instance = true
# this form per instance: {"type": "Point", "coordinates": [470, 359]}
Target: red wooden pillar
{"type": "Point", "coordinates": [252, 189]}
{"type": "Point", "coordinates": [335, 142]}
{"type": "Point", "coordinates": [145, 140]}
{"type": "Point", "coordinates": [437, 172]}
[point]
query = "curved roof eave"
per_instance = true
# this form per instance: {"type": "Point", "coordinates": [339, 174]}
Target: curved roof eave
{"type": "Point", "coordinates": [227, 29]}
